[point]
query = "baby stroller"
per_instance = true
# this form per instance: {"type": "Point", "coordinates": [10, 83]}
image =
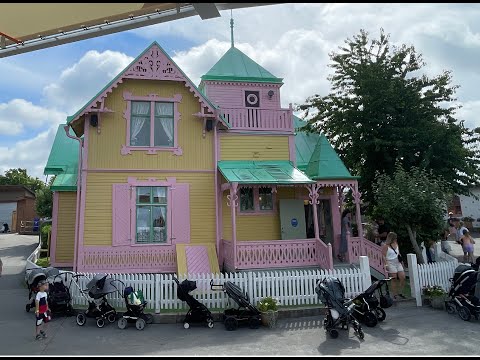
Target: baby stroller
{"type": "Point", "coordinates": [135, 304]}
{"type": "Point", "coordinates": [59, 298]}
{"type": "Point", "coordinates": [367, 308]}
{"type": "Point", "coordinates": [339, 310]}
{"type": "Point", "coordinates": [464, 294]}
{"type": "Point", "coordinates": [245, 313]}
{"type": "Point", "coordinates": [198, 312]}
{"type": "Point", "coordinates": [32, 278]}
{"type": "Point", "coordinates": [98, 307]}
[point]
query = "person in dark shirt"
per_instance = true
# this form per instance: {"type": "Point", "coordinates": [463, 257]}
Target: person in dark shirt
{"type": "Point", "coordinates": [383, 230]}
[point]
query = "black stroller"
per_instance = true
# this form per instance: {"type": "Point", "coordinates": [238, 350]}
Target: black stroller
{"type": "Point", "coordinates": [367, 308]}
{"type": "Point", "coordinates": [244, 313]}
{"type": "Point", "coordinates": [135, 304]}
{"type": "Point", "coordinates": [32, 278]}
{"type": "Point", "coordinates": [198, 312]}
{"type": "Point", "coordinates": [59, 297]}
{"type": "Point", "coordinates": [339, 310]}
{"type": "Point", "coordinates": [98, 307]}
{"type": "Point", "coordinates": [464, 294]}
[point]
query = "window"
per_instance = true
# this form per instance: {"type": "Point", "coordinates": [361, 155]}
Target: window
{"type": "Point", "coordinates": [152, 124]}
{"type": "Point", "coordinates": [151, 215]}
{"type": "Point", "coordinates": [253, 200]}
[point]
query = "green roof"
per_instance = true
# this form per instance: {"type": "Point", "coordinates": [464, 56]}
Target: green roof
{"type": "Point", "coordinates": [234, 65]}
{"type": "Point", "coordinates": [63, 162]}
{"type": "Point", "coordinates": [304, 144]}
{"type": "Point", "coordinates": [262, 172]}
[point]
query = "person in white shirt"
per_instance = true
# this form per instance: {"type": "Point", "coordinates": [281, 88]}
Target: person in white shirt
{"type": "Point", "coordinates": [393, 265]}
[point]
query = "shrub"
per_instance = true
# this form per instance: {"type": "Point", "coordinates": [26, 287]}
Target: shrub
{"type": "Point", "coordinates": [433, 291]}
{"type": "Point", "coordinates": [268, 303]}
{"type": "Point", "coordinates": [43, 262]}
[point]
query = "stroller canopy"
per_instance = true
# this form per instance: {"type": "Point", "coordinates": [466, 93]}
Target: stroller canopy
{"type": "Point", "coordinates": [51, 272]}
{"type": "Point", "coordinates": [333, 287]}
{"type": "Point", "coordinates": [101, 285]}
{"type": "Point", "coordinates": [36, 275]}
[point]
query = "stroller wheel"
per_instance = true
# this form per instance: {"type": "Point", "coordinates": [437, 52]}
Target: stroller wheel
{"type": "Point", "coordinates": [360, 333]}
{"type": "Point", "coordinates": [100, 322]}
{"type": "Point", "coordinates": [69, 311]}
{"type": "Point", "coordinates": [210, 323]}
{"type": "Point", "coordinates": [140, 324]}
{"type": "Point", "coordinates": [81, 319]}
{"type": "Point", "coordinates": [451, 308]}
{"type": "Point", "coordinates": [186, 325]}
{"type": "Point", "coordinates": [112, 317]}
{"type": "Point", "coordinates": [464, 313]}
{"type": "Point", "coordinates": [371, 319]}
{"type": "Point", "coordinates": [231, 323]}
{"type": "Point", "coordinates": [149, 318]}
{"type": "Point", "coordinates": [381, 315]}
{"type": "Point", "coordinates": [27, 307]}
{"type": "Point", "coordinates": [122, 323]}
{"type": "Point", "coordinates": [254, 322]}
{"type": "Point", "coordinates": [333, 333]}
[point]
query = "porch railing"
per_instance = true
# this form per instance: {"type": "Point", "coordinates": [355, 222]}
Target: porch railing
{"type": "Point", "coordinates": [259, 119]}
{"type": "Point", "coordinates": [278, 254]}
{"type": "Point", "coordinates": [370, 249]}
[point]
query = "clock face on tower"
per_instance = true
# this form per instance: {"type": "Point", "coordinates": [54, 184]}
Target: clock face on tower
{"type": "Point", "coordinates": [252, 99]}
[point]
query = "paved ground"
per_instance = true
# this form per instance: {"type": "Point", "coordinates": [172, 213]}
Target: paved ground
{"type": "Point", "coordinates": [408, 330]}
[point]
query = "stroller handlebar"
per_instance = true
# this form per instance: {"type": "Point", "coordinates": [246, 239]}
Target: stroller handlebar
{"type": "Point", "coordinates": [216, 287]}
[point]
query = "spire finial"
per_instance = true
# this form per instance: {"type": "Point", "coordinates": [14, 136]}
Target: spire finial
{"type": "Point", "coordinates": [231, 26]}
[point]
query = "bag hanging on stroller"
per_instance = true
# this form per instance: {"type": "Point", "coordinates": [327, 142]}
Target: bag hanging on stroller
{"type": "Point", "coordinates": [135, 304]}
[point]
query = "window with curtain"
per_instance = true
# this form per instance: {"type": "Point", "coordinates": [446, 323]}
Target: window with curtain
{"type": "Point", "coordinates": [151, 207]}
{"type": "Point", "coordinates": [246, 199]}
{"type": "Point", "coordinates": [265, 198]}
{"type": "Point", "coordinates": [149, 118]}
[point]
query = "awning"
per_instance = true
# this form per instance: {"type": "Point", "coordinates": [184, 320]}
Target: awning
{"type": "Point", "coordinates": [262, 172]}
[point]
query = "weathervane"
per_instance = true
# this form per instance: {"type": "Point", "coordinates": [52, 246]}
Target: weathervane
{"type": "Point", "coordinates": [231, 25]}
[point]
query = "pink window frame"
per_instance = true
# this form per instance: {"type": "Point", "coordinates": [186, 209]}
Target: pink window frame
{"type": "Point", "coordinates": [256, 202]}
{"type": "Point", "coordinates": [152, 98]}
{"type": "Point", "coordinates": [134, 183]}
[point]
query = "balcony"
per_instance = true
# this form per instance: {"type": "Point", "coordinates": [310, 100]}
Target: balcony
{"type": "Point", "coordinates": [259, 119]}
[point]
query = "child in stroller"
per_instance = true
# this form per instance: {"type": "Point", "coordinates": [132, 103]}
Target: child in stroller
{"type": "Point", "coordinates": [367, 308]}
{"type": "Point", "coordinates": [464, 294]}
{"type": "Point", "coordinates": [245, 312]}
{"type": "Point", "coordinates": [98, 307]}
{"type": "Point", "coordinates": [135, 304]}
{"type": "Point", "coordinates": [339, 310]}
{"type": "Point", "coordinates": [198, 313]}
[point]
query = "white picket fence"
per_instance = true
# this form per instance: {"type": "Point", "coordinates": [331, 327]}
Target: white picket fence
{"type": "Point", "coordinates": [422, 275]}
{"type": "Point", "coordinates": [291, 288]}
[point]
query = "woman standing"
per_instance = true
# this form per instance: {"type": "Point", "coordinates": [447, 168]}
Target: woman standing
{"type": "Point", "coordinates": [393, 264]}
{"type": "Point", "coordinates": [346, 227]}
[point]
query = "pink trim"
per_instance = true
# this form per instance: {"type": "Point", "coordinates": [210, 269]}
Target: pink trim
{"type": "Point", "coordinates": [252, 132]}
{"type": "Point", "coordinates": [83, 189]}
{"type": "Point", "coordinates": [150, 182]}
{"type": "Point", "coordinates": [217, 215]}
{"type": "Point", "coordinates": [256, 201]}
{"type": "Point", "coordinates": [258, 119]}
{"type": "Point", "coordinates": [291, 149]}
{"type": "Point", "coordinates": [197, 259]}
{"type": "Point", "coordinates": [372, 251]}
{"type": "Point", "coordinates": [53, 240]}
{"type": "Point", "coordinates": [234, 202]}
{"type": "Point", "coordinates": [106, 170]}
{"type": "Point", "coordinates": [60, 264]}
{"type": "Point", "coordinates": [152, 98]}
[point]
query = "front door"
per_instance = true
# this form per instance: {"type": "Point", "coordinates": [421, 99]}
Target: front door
{"type": "Point", "coordinates": [325, 213]}
{"type": "Point", "coordinates": [292, 219]}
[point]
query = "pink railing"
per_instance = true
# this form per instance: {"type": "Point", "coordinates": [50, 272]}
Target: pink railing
{"type": "Point", "coordinates": [278, 254]}
{"type": "Point", "coordinates": [153, 259]}
{"type": "Point", "coordinates": [260, 119]}
{"type": "Point", "coordinates": [228, 255]}
{"type": "Point", "coordinates": [370, 249]}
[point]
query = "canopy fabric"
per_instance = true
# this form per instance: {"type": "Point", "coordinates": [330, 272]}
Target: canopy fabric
{"type": "Point", "coordinates": [262, 172]}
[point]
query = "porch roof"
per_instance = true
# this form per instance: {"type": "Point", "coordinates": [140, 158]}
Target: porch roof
{"type": "Point", "coordinates": [262, 172]}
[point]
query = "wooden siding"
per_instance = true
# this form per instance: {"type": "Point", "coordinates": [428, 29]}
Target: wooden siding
{"type": "Point", "coordinates": [255, 227]}
{"type": "Point", "coordinates": [104, 148]}
{"type": "Point", "coordinates": [67, 202]}
{"type": "Point", "coordinates": [254, 147]}
{"type": "Point", "coordinates": [232, 96]}
{"type": "Point", "coordinates": [98, 208]}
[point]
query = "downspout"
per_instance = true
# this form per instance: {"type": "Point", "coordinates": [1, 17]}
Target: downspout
{"type": "Point", "coordinates": [215, 163]}
{"type": "Point", "coordinates": [77, 212]}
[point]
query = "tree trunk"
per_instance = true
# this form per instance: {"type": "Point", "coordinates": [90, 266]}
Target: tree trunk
{"type": "Point", "coordinates": [413, 239]}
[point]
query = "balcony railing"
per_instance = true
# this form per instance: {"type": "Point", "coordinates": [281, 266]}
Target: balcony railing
{"type": "Point", "coordinates": [259, 119]}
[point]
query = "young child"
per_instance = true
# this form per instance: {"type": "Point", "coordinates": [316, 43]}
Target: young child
{"type": "Point", "coordinates": [42, 312]}
{"type": "Point", "coordinates": [467, 243]}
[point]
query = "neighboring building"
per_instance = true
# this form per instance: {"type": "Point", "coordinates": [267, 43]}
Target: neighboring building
{"type": "Point", "coordinates": [17, 204]}
{"type": "Point", "coordinates": [162, 162]}
{"type": "Point", "coordinates": [468, 206]}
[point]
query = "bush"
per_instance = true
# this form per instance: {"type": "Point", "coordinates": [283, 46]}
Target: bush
{"type": "Point", "coordinates": [268, 303]}
{"type": "Point", "coordinates": [44, 235]}
{"type": "Point", "coordinates": [43, 262]}
{"type": "Point", "coordinates": [433, 291]}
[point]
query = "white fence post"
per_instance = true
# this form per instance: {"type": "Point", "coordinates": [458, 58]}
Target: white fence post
{"type": "Point", "coordinates": [156, 287]}
{"type": "Point", "coordinates": [365, 270]}
{"type": "Point", "coordinates": [414, 278]}
{"type": "Point", "coordinates": [438, 251]}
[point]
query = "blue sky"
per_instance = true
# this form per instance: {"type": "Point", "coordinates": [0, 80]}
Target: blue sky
{"type": "Point", "coordinates": [39, 89]}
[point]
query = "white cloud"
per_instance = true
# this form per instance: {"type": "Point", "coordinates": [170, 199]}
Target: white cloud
{"type": "Point", "coordinates": [470, 112]}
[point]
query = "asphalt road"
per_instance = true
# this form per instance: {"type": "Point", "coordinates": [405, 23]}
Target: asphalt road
{"type": "Point", "coordinates": [408, 330]}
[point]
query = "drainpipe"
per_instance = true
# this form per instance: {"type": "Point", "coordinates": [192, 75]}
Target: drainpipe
{"type": "Point", "coordinates": [215, 155]}
{"type": "Point", "coordinates": [77, 212]}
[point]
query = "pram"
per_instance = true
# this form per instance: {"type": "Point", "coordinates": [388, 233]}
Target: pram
{"type": "Point", "coordinates": [367, 308]}
{"type": "Point", "coordinates": [59, 297]}
{"type": "Point", "coordinates": [98, 307]}
{"type": "Point", "coordinates": [32, 278]}
{"type": "Point", "coordinates": [464, 294]}
{"type": "Point", "coordinates": [198, 312]}
{"type": "Point", "coordinates": [244, 313]}
{"type": "Point", "coordinates": [135, 304]}
{"type": "Point", "coordinates": [339, 310]}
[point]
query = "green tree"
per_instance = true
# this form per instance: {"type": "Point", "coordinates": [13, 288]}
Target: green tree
{"type": "Point", "coordinates": [20, 177]}
{"type": "Point", "coordinates": [44, 200]}
{"type": "Point", "coordinates": [413, 202]}
{"type": "Point", "coordinates": [382, 110]}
